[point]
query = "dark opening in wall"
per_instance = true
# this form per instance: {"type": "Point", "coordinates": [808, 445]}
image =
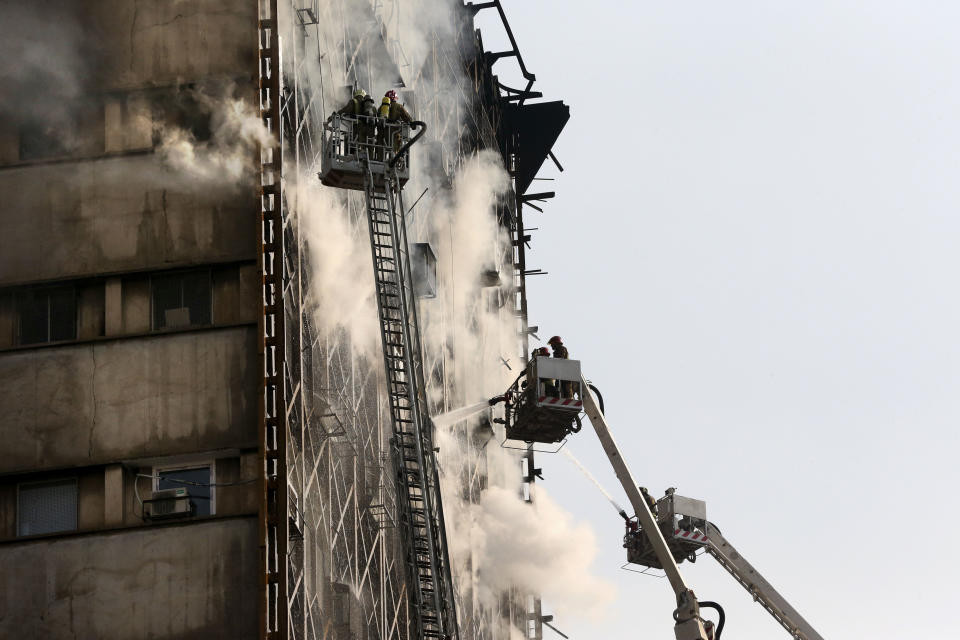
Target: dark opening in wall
{"type": "Point", "coordinates": [181, 299]}
{"type": "Point", "coordinates": [75, 129]}
{"type": "Point", "coordinates": [183, 109]}
{"type": "Point", "coordinates": [47, 315]}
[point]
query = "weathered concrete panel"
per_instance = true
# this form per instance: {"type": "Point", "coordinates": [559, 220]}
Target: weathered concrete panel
{"type": "Point", "coordinates": [192, 581]}
{"type": "Point", "coordinates": [117, 214]}
{"type": "Point", "coordinates": [8, 323]}
{"type": "Point", "coordinates": [166, 41]}
{"type": "Point", "coordinates": [109, 401]}
{"type": "Point", "coordinates": [113, 495]}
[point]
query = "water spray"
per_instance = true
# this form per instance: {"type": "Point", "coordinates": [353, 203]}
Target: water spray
{"type": "Point", "coordinates": [583, 469]}
{"type": "Point", "coordinates": [451, 417]}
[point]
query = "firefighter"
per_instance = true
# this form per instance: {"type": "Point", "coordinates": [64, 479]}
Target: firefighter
{"type": "Point", "coordinates": [560, 351]}
{"type": "Point", "coordinates": [353, 108]}
{"type": "Point", "coordinates": [398, 112]}
{"type": "Point", "coordinates": [540, 351]}
{"type": "Point", "coordinates": [383, 120]}
{"type": "Point", "coordinates": [393, 112]}
{"type": "Point", "coordinates": [367, 125]}
{"type": "Point", "coordinates": [650, 501]}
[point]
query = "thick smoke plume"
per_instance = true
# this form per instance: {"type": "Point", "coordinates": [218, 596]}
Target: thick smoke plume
{"type": "Point", "coordinates": [228, 157]}
{"type": "Point", "coordinates": [498, 542]}
{"type": "Point", "coordinates": [45, 62]}
{"type": "Point", "coordinates": [342, 293]}
{"type": "Point", "coordinates": [537, 547]}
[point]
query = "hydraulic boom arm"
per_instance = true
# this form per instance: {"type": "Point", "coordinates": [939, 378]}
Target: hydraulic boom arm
{"type": "Point", "coordinates": [761, 590]}
{"type": "Point", "coordinates": [689, 625]}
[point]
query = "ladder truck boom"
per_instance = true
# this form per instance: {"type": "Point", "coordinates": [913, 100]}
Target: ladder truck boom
{"type": "Point", "coordinates": [689, 625]}
{"type": "Point", "coordinates": [544, 404]}
{"type": "Point", "coordinates": [758, 587]}
{"type": "Point", "coordinates": [365, 154]}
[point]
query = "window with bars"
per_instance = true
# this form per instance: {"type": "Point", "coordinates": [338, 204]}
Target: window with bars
{"type": "Point", "coordinates": [181, 299]}
{"type": "Point", "coordinates": [46, 507]}
{"type": "Point", "coordinates": [47, 315]}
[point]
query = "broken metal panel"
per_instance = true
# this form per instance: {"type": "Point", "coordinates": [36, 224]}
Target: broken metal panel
{"type": "Point", "coordinates": [424, 263]}
{"type": "Point", "coordinates": [533, 129]}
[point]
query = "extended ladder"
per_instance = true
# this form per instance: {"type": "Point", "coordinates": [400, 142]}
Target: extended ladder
{"type": "Point", "coordinates": [418, 485]}
{"type": "Point", "coordinates": [761, 590]}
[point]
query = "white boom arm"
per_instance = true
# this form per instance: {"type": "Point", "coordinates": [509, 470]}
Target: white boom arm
{"type": "Point", "coordinates": [689, 624]}
{"type": "Point", "coordinates": [761, 590]}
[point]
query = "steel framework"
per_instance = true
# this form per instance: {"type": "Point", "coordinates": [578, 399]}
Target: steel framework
{"type": "Point", "coordinates": [345, 574]}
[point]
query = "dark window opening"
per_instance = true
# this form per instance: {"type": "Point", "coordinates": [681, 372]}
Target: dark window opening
{"type": "Point", "coordinates": [47, 315]}
{"type": "Point", "coordinates": [46, 507]}
{"type": "Point", "coordinates": [71, 129]}
{"type": "Point", "coordinates": [39, 141]}
{"type": "Point", "coordinates": [197, 483]}
{"type": "Point", "coordinates": [183, 110]}
{"type": "Point", "coordinates": [181, 300]}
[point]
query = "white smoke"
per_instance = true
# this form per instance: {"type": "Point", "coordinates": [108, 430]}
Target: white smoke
{"type": "Point", "coordinates": [498, 543]}
{"type": "Point", "coordinates": [538, 548]}
{"type": "Point", "coordinates": [474, 330]}
{"type": "Point", "coordinates": [45, 62]}
{"type": "Point", "coordinates": [229, 156]}
{"type": "Point", "coordinates": [342, 292]}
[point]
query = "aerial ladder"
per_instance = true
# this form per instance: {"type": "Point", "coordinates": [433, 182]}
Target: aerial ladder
{"type": "Point", "coordinates": [544, 405]}
{"type": "Point", "coordinates": [371, 154]}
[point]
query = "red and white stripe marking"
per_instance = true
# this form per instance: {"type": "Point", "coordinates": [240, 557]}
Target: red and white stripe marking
{"type": "Point", "coordinates": [692, 536]}
{"type": "Point", "coordinates": [563, 402]}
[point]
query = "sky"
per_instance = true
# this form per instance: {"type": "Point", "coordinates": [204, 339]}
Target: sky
{"type": "Point", "coordinates": [753, 252]}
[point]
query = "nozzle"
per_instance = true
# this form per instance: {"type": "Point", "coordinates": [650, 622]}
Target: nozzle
{"type": "Point", "coordinates": [623, 514]}
{"type": "Point", "coordinates": [497, 399]}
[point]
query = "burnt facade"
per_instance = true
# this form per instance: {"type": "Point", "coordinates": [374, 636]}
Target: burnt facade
{"type": "Point", "coordinates": [164, 279]}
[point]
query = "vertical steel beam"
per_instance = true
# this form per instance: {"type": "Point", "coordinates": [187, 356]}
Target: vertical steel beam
{"type": "Point", "coordinates": [272, 427]}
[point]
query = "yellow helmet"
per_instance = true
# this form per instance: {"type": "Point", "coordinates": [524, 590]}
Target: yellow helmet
{"type": "Point", "coordinates": [359, 93]}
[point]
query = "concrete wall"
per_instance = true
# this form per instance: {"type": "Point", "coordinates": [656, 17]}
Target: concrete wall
{"type": "Point", "coordinates": [118, 214]}
{"type": "Point", "coordinates": [169, 41]}
{"type": "Point", "coordinates": [197, 580]}
{"type": "Point", "coordinates": [117, 400]}
{"type": "Point", "coordinates": [118, 306]}
{"type": "Point", "coordinates": [106, 498]}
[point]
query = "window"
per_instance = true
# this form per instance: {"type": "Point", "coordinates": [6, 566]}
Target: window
{"type": "Point", "coordinates": [181, 300]}
{"type": "Point", "coordinates": [198, 481]}
{"type": "Point", "coordinates": [73, 129]}
{"type": "Point", "coordinates": [43, 141]}
{"type": "Point", "coordinates": [47, 315]}
{"type": "Point", "coordinates": [46, 507]}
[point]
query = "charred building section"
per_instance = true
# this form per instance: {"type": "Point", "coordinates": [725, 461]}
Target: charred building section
{"type": "Point", "coordinates": [128, 326]}
{"type": "Point", "coordinates": [197, 423]}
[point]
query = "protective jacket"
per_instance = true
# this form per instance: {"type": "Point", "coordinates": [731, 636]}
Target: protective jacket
{"type": "Point", "coordinates": [352, 108]}
{"type": "Point", "coordinates": [560, 351]}
{"type": "Point", "coordinates": [399, 112]}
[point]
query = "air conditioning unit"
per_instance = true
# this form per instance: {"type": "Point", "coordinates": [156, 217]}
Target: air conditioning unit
{"type": "Point", "coordinates": [168, 503]}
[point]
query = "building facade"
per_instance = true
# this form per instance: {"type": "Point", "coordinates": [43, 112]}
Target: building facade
{"type": "Point", "coordinates": [196, 436]}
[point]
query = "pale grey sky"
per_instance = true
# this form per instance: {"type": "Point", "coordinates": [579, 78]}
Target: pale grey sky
{"type": "Point", "coordinates": [753, 252]}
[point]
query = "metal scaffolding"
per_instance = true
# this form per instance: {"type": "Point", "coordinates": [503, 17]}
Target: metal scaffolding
{"type": "Point", "coordinates": [345, 547]}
